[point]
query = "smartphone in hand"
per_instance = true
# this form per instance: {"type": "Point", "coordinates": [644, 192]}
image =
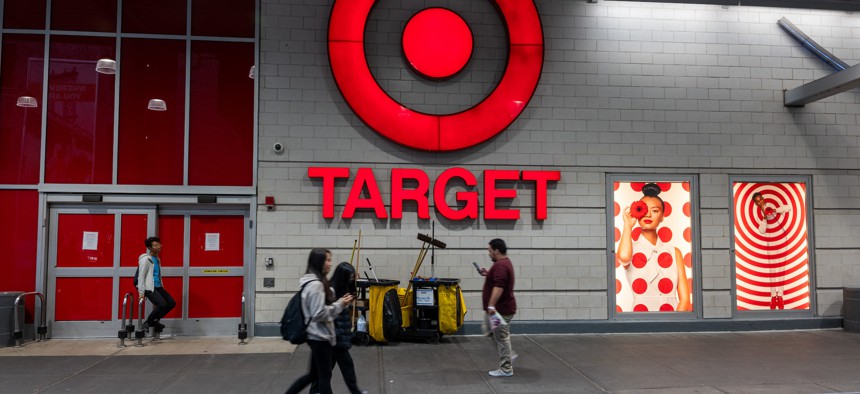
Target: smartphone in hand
{"type": "Point", "coordinates": [477, 267]}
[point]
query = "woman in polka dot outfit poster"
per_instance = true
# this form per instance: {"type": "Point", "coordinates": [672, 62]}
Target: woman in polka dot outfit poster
{"type": "Point", "coordinates": [653, 270]}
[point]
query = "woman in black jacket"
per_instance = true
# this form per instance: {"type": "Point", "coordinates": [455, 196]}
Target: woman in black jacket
{"type": "Point", "coordinates": [343, 282]}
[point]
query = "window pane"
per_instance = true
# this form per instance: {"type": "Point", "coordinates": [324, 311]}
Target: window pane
{"type": "Point", "coordinates": [21, 127]}
{"type": "Point", "coordinates": [24, 14]}
{"type": "Point", "coordinates": [151, 143]}
{"type": "Point", "coordinates": [223, 18]}
{"type": "Point", "coordinates": [19, 213]}
{"type": "Point", "coordinates": [84, 15]}
{"type": "Point", "coordinates": [79, 146]}
{"type": "Point", "coordinates": [154, 16]}
{"type": "Point", "coordinates": [221, 140]}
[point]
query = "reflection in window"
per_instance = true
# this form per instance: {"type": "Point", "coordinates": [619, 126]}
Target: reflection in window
{"type": "Point", "coordinates": [21, 126]}
{"type": "Point", "coordinates": [79, 145]}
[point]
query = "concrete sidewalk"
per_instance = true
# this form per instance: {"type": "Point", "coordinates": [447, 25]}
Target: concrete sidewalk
{"type": "Point", "coordinates": [817, 361]}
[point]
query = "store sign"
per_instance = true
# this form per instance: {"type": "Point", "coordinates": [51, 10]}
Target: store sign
{"type": "Point", "coordinates": [364, 192]}
{"type": "Point", "coordinates": [437, 44]}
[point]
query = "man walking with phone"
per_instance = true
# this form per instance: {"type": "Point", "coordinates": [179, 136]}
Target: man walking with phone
{"type": "Point", "coordinates": [498, 298]}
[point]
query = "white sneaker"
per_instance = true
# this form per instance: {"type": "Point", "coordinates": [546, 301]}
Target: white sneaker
{"type": "Point", "coordinates": [498, 374]}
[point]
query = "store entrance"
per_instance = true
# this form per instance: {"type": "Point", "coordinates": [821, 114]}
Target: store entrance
{"type": "Point", "coordinates": [93, 253]}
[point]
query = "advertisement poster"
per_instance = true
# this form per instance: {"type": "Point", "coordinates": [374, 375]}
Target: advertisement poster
{"type": "Point", "coordinates": [653, 247]}
{"type": "Point", "coordinates": [771, 246]}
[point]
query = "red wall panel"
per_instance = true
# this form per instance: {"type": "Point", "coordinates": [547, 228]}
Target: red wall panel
{"type": "Point", "coordinates": [24, 14]}
{"type": "Point", "coordinates": [171, 231]}
{"type": "Point", "coordinates": [151, 143]}
{"type": "Point", "coordinates": [172, 284]}
{"type": "Point", "coordinates": [21, 128]}
{"type": "Point", "coordinates": [84, 15]}
{"type": "Point", "coordinates": [70, 238]}
{"type": "Point", "coordinates": [154, 16]}
{"type": "Point", "coordinates": [221, 135]}
{"type": "Point", "coordinates": [83, 299]}
{"type": "Point", "coordinates": [231, 232]}
{"type": "Point", "coordinates": [19, 215]}
{"type": "Point", "coordinates": [79, 146]}
{"type": "Point", "coordinates": [223, 18]}
{"type": "Point", "coordinates": [133, 233]}
{"type": "Point", "coordinates": [217, 296]}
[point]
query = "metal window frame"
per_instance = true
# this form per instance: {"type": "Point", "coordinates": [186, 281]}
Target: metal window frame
{"type": "Point", "coordinates": [810, 241]}
{"type": "Point", "coordinates": [695, 250]}
{"type": "Point", "coordinates": [244, 196]}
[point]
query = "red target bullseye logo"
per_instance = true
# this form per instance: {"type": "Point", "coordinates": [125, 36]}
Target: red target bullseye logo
{"type": "Point", "coordinates": [437, 44]}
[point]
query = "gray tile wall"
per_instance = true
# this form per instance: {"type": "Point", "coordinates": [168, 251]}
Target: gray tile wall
{"type": "Point", "coordinates": [626, 88]}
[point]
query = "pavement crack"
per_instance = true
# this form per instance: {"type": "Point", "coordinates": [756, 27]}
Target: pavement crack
{"type": "Point", "coordinates": [565, 363]}
{"type": "Point", "coordinates": [74, 374]}
{"type": "Point", "coordinates": [477, 368]}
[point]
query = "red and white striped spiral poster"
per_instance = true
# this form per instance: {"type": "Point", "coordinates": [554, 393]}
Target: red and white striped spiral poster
{"type": "Point", "coordinates": [771, 246]}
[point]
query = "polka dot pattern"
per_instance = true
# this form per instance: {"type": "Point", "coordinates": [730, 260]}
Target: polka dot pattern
{"type": "Point", "coordinates": [639, 286]}
{"type": "Point", "coordinates": [665, 234]}
{"type": "Point", "coordinates": [666, 285]}
{"type": "Point", "coordinates": [617, 286]}
{"type": "Point", "coordinates": [665, 260]}
{"type": "Point", "coordinates": [670, 232]}
{"type": "Point", "coordinates": [639, 260]}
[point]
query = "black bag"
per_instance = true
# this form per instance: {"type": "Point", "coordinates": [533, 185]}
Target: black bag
{"type": "Point", "coordinates": [293, 325]}
{"type": "Point", "coordinates": [392, 320]}
{"type": "Point", "coordinates": [136, 272]}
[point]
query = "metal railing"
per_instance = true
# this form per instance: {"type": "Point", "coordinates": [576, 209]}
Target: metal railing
{"type": "Point", "coordinates": [127, 325]}
{"type": "Point", "coordinates": [243, 327]}
{"type": "Point", "coordinates": [140, 333]}
{"type": "Point", "coordinates": [42, 330]}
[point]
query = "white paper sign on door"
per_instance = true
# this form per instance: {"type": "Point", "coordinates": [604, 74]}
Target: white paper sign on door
{"type": "Point", "coordinates": [91, 240]}
{"type": "Point", "coordinates": [213, 241]}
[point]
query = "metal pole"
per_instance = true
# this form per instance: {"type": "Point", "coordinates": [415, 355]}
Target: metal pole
{"type": "Point", "coordinates": [243, 327]}
{"type": "Point", "coordinates": [140, 333]}
{"type": "Point", "coordinates": [127, 310]}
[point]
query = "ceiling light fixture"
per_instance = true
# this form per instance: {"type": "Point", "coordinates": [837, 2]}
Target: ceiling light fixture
{"type": "Point", "coordinates": [27, 102]}
{"type": "Point", "coordinates": [157, 105]}
{"type": "Point", "coordinates": [106, 66]}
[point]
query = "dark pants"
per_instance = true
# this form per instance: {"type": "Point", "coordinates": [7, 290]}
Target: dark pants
{"type": "Point", "coordinates": [320, 370]}
{"type": "Point", "coordinates": [163, 303]}
{"type": "Point", "coordinates": [341, 357]}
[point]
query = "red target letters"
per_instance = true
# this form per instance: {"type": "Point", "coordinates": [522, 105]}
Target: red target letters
{"type": "Point", "coordinates": [419, 186]}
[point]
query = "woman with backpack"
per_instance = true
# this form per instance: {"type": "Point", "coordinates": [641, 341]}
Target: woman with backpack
{"type": "Point", "coordinates": [320, 308]}
{"type": "Point", "coordinates": [343, 283]}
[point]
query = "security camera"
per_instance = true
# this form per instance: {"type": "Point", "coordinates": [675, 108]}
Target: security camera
{"type": "Point", "coordinates": [278, 147]}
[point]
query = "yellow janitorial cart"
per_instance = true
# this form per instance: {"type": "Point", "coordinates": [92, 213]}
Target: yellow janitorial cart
{"type": "Point", "coordinates": [378, 308]}
{"type": "Point", "coordinates": [430, 307]}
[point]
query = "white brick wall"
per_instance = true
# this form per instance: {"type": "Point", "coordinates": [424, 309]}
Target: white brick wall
{"type": "Point", "coordinates": [626, 88]}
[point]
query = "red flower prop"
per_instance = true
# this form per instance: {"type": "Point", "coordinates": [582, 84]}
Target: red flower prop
{"type": "Point", "coordinates": [638, 209]}
{"type": "Point", "coordinates": [769, 211]}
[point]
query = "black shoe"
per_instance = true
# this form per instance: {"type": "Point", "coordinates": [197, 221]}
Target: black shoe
{"type": "Point", "coordinates": [159, 326]}
{"type": "Point", "coordinates": [146, 326]}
